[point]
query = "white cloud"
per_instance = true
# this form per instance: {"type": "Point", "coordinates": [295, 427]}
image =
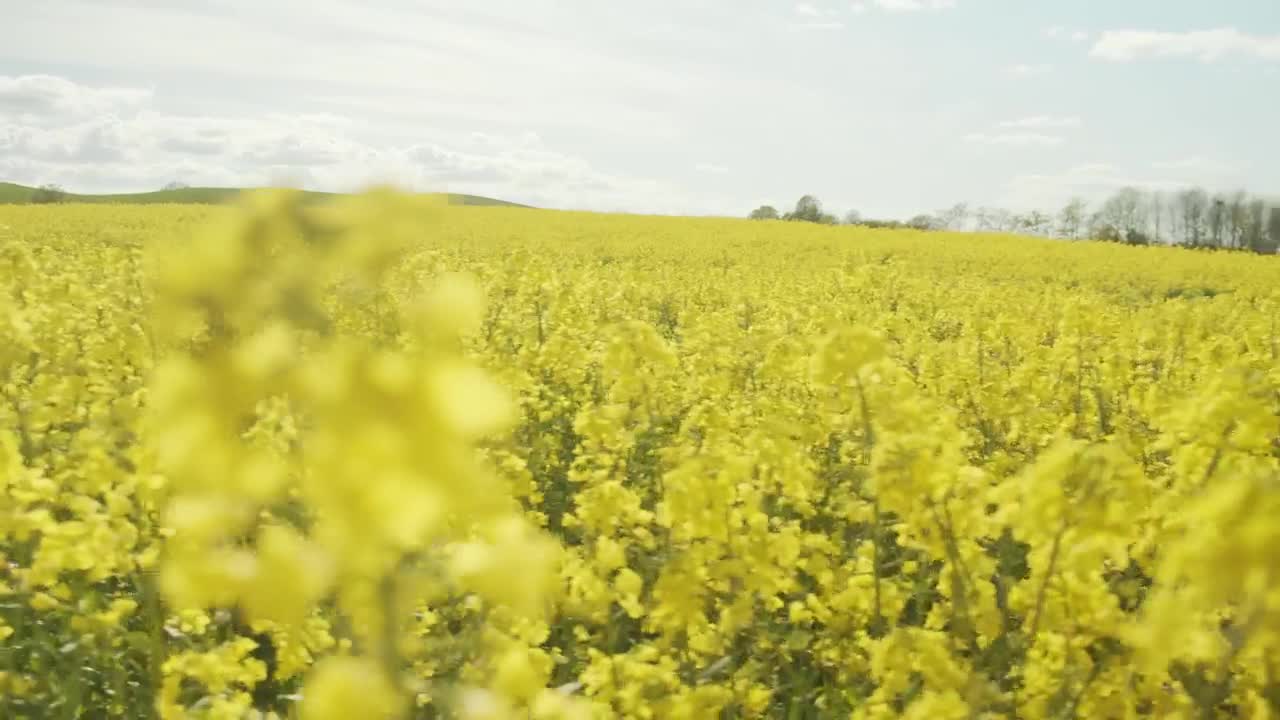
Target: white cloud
{"type": "Point", "coordinates": [1203, 45]}
{"type": "Point", "coordinates": [859, 7]}
{"type": "Point", "coordinates": [1015, 139]}
{"type": "Point", "coordinates": [638, 86]}
{"type": "Point", "coordinates": [815, 18]}
{"type": "Point", "coordinates": [31, 96]}
{"type": "Point", "coordinates": [1097, 180]}
{"type": "Point", "coordinates": [1205, 168]}
{"type": "Point", "coordinates": [148, 148]}
{"type": "Point", "coordinates": [1091, 181]}
{"type": "Point", "coordinates": [818, 25]}
{"type": "Point", "coordinates": [1040, 122]}
{"type": "Point", "coordinates": [913, 5]}
{"type": "Point", "coordinates": [1059, 32]}
{"type": "Point", "coordinates": [454, 58]}
{"type": "Point", "coordinates": [1031, 131]}
{"type": "Point", "coordinates": [1028, 70]}
{"type": "Point", "coordinates": [812, 17]}
{"type": "Point", "coordinates": [1195, 161]}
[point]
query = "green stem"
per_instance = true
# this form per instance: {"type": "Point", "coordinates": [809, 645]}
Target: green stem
{"type": "Point", "coordinates": [389, 642]}
{"type": "Point", "coordinates": [153, 611]}
{"type": "Point", "coordinates": [868, 442]}
{"type": "Point", "coordinates": [959, 588]}
{"type": "Point", "coordinates": [1044, 586]}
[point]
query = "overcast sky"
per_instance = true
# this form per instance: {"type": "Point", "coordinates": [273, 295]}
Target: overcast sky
{"type": "Point", "coordinates": [891, 107]}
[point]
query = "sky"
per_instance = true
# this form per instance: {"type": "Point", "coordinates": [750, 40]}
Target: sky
{"type": "Point", "coordinates": [705, 107]}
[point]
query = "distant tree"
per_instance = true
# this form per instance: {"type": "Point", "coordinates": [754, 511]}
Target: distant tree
{"type": "Point", "coordinates": [1071, 220]}
{"type": "Point", "coordinates": [175, 185]}
{"type": "Point", "coordinates": [1100, 229]}
{"type": "Point", "coordinates": [882, 224]}
{"type": "Point", "coordinates": [1136, 237]}
{"type": "Point", "coordinates": [1191, 217]}
{"type": "Point", "coordinates": [809, 209]}
{"type": "Point", "coordinates": [994, 219]}
{"type": "Point", "coordinates": [1217, 220]}
{"type": "Point", "coordinates": [1273, 230]}
{"type": "Point", "coordinates": [764, 212]}
{"type": "Point", "coordinates": [1255, 234]}
{"type": "Point", "coordinates": [1193, 210]}
{"type": "Point", "coordinates": [1155, 211]}
{"type": "Point", "coordinates": [955, 217]}
{"type": "Point", "coordinates": [1124, 211]}
{"type": "Point", "coordinates": [1172, 218]}
{"type": "Point", "coordinates": [853, 217]}
{"type": "Point", "coordinates": [1237, 211]}
{"type": "Point", "coordinates": [924, 221]}
{"type": "Point", "coordinates": [50, 193]}
{"type": "Point", "coordinates": [1033, 223]}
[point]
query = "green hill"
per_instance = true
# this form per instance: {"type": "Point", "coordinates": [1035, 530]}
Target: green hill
{"type": "Point", "coordinates": [11, 193]}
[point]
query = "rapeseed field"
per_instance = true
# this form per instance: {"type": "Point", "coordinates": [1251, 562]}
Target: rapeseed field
{"type": "Point", "coordinates": [386, 458]}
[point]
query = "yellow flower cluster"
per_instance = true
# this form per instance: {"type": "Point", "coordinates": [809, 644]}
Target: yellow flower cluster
{"type": "Point", "coordinates": [385, 458]}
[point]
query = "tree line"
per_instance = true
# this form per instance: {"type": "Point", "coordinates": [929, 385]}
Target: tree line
{"type": "Point", "coordinates": [46, 194]}
{"type": "Point", "coordinates": [1190, 218]}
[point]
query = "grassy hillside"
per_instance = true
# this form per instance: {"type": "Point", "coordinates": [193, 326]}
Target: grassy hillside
{"type": "Point", "coordinates": [11, 193]}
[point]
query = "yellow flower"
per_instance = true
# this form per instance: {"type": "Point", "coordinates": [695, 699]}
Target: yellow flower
{"type": "Point", "coordinates": [340, 687]}
{"type": "Point", "coordinates": [291, 575]}
{"type": "Point", "coordinates": [516, 676]}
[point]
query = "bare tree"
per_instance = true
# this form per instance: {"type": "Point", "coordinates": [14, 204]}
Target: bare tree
{"type": "Point", "coordinates": [1072, 218]}
{"type": "Point", "coordinates": [994, 219]}
{"type": "Point", "coordinates": [1122, 218]}
{"type": "Point", "coordinates": [1273, 231]}
{"type": "Point", "coordinates": [1155, 213]}
{"type": "Point", "coordinates": [1188, 217]}
{"type": "Point", "coordinates": [1193, 206]}
{"type": "Point", "coordinates": [1135, 206]}
{"type": "Point", "coordinates": [1237, 218]}
{"type": "Point", "coordinates": [1255, 233]}
{"type": "Point", "coordinates": [955, 217]}
{"type": "Point", "coordinates": [1171, 213]}
{"type": "Point", "coordinates": [1217, 219]}
{"type": "Point", "coordinates": [1033, 223]}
